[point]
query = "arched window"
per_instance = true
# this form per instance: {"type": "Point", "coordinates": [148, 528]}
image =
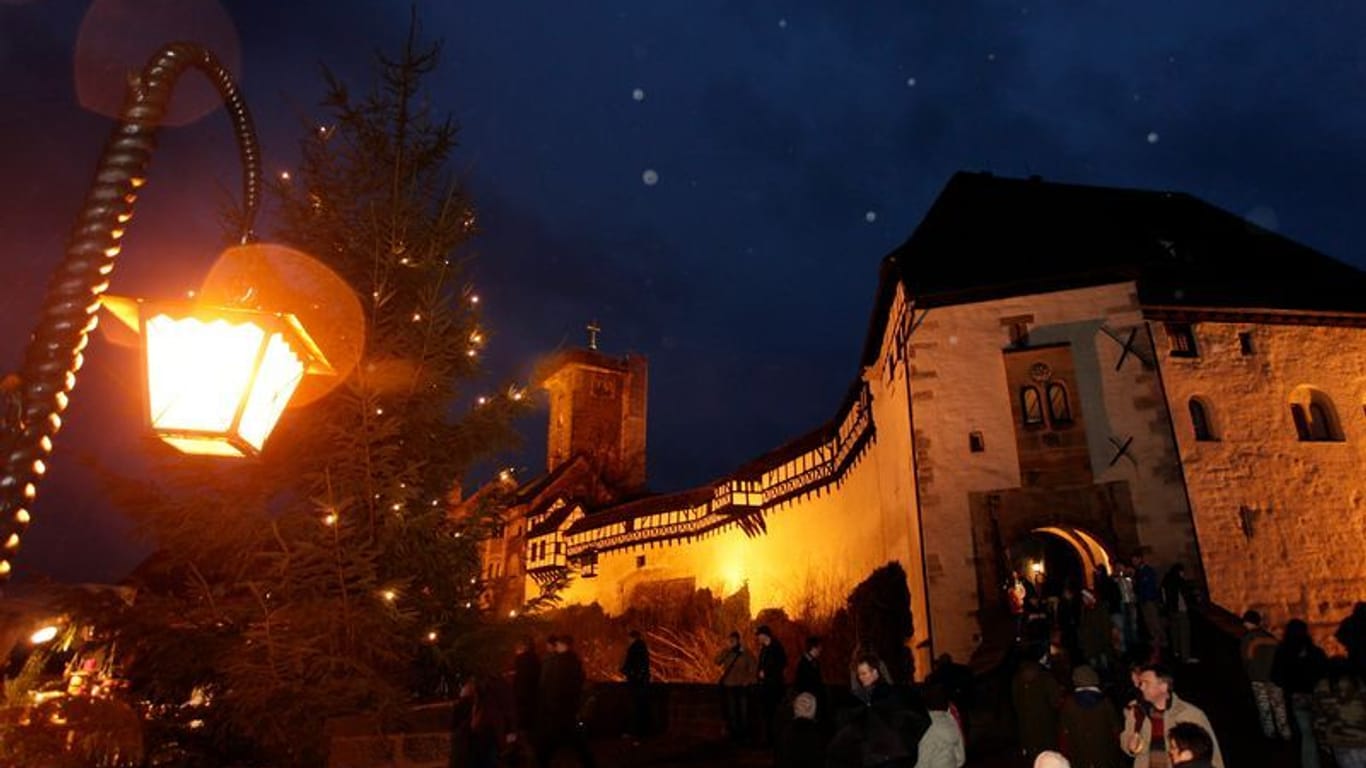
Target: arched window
{"type": "Point", "coordinates": [1321, 425]}
{"type": "Point", "coordinates": [1059, 406]}
{"type": "Point", "coordinates": [1200, 420]}
{"type": "Point", "coordinates": [1031, 406]}
{"type": "Point", "coordinates": [1316, 419]}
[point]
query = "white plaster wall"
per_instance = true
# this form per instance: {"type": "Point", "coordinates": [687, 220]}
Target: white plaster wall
{"type": "Point", "coordinates": [820, 546]}
{"type": "Point", "coordinates": [888, 381]}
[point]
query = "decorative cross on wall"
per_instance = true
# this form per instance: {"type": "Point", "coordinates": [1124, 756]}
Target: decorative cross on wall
{"type": "Point", "coordinates": [1122, 450]}
{"type": "Point", "coordinates": [593, 331]}
{"type": "Point", "coordinates": [1129, 348]}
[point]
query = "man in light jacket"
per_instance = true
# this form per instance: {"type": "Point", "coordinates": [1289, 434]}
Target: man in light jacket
{"type": "Point", "coordinates": [1147, 721]}
{"type": "Point", "coordinates": [942, 745]}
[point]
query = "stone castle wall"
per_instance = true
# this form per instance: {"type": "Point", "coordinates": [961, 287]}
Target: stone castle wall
{"type": "Point", "coordinates": [1282, 522]}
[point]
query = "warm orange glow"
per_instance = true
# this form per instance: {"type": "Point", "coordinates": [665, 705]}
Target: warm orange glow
{"type": "Point", "coordinates": [197, 372]}
{"type": "Point", "coordinates": [218, 381]}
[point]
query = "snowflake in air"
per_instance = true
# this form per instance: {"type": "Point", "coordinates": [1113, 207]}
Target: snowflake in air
{"type": "Point", "coordinates": [910, 81]}
{"type": "Point", "coordinates": [638, 94]}
{"type": "Point", "coordinates": [1153, 137]}
{"type": "Point", "coordinates": [782, 23]}
{"type": "Point", "coordinates": [650, 177]}
{"type": "Point", "coordinates": [870, 217]}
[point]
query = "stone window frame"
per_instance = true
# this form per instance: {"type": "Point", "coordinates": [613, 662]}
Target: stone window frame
{"type": "Point", "coordinates": [1315, 417]}
{"type": "Point", "coordinates": [1202, 420]}
{"type": "Point", "coordinates": [1181, 340]}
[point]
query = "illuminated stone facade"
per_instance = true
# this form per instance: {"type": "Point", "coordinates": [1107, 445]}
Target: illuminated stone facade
{"type": "Point", "coordinates": [1030, 369]}
{"type": "Point", "coordinates": [1270, 412]}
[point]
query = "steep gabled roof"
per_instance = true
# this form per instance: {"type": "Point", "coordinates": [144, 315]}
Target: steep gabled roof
{"type": "Point", "coordinates": [988, 238]}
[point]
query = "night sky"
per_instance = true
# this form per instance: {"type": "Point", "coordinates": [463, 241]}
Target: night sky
{"type": "Point", "coordinates": [713, 181]}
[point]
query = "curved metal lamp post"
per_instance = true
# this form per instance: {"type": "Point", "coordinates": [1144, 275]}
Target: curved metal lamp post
{"type": "Point", "coordinates": [53, 355]}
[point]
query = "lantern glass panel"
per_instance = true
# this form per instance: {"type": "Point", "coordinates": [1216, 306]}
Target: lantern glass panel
{"type": "Point", "coordinates": [279, 375]}
{"type": "Point", "coordinates": [198, 372]}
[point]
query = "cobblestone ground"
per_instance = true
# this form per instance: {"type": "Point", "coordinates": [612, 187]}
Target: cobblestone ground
{"type": "Point", "coordinates": [1215, 685]}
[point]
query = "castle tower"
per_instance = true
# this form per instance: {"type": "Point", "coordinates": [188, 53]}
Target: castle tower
{"type": "Point", "coordinates": [597, 409]}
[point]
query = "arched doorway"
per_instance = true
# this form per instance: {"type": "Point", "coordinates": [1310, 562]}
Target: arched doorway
{"type": "Point", "coordinates": [1059, 555]}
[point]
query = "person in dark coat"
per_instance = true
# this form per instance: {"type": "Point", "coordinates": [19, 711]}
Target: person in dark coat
{"type": "Point", "coordinates": [803, 741]}
{"type": "Point", "coordinates": [526, 678]}
{"type": "Point", "coordinates": [1351, 633]}
{"type": "Point", "coordinates": [884, 729]}
{"type": "Point", "coordinates": [483, 721]}
{"type": "Point", "coordinates": [557, 716]}
{"type": "Point", "coordinates": [1297, 668]}
{"type": "Point", "coordinates": [772, 681]}
{"type": "Point", "coordinates": [1089, 726]}
{"type": "Point", "coordinates": [959, 685]}
{"type": "Point", "coordinates": [808, 679]}
{"type": "Point", "coordinates": [635, 668]}
{"type": "Point", "coordinates": [1190, 746]}
{"type": "Point", "coordinates": [1036, 695]}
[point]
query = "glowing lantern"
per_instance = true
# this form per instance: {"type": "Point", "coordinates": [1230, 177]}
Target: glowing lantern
{"type": "Point", "coordinates": [219, 379]}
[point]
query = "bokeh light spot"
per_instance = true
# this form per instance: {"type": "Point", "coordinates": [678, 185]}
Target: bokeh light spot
{"type": "Point", "coordinates": [117, 37]}
{"type": "Point", "coordinates": [276, 278]}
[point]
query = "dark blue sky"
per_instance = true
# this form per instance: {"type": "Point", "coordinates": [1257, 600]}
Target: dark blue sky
{"type": "Point", "coordinates": [792, 145]}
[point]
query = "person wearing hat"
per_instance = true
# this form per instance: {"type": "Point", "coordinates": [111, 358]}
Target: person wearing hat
{"type": "Point", "coordinates": [1088, 724]}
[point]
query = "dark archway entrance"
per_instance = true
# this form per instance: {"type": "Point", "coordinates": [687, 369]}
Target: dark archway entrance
{"type": "Point", "coordinates": [1076, 528]}
{"type": "Point", "coordinates": [1059, 556]}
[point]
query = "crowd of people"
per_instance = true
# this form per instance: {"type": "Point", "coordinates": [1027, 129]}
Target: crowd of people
{"type": "Point", "coordinates": [877, 722]}
{"type": "Point", "coordinates": [1092, 683]}
{"type": "Point", "coordinates": [1093, 680]}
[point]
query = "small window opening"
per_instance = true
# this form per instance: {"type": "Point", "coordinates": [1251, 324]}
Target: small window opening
{"type": "Point", "coordinates": [976, 443]}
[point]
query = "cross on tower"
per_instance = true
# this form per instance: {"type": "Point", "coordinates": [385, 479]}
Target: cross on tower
{"type": "Point", "coordinates": [593, 330]}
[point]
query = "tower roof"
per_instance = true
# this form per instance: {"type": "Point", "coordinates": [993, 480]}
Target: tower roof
{"type": "Point", "coordinates": [988, 237]}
